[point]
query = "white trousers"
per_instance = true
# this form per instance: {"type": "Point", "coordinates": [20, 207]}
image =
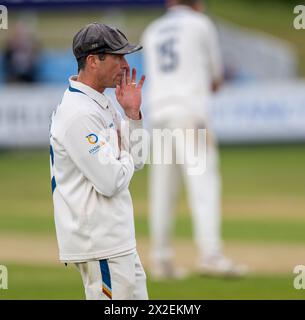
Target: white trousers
{"type": "Point", "coordinates": [204, 197]}
{"type": "Point", "coordinates": [118, 278]}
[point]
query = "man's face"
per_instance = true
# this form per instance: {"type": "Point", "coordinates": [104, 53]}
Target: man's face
{"type": "Point", "coordinates": [111, 70]}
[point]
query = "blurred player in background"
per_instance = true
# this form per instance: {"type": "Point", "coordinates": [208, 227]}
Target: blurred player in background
{"type": "Point", "coordinates": [183, 66]}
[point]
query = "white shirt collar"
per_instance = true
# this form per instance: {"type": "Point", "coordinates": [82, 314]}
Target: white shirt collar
{"type": "Point", "coordinates": [91, 93]}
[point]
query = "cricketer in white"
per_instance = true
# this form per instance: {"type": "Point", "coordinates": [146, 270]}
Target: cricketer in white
{"type": "Point", "coordinates": [92, 204]}
{"type": "Point", "coordinates": [86, 192]}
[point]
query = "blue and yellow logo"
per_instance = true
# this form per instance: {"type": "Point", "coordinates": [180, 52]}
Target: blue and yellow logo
{"type": "Point", "coordinates": [92, 138]}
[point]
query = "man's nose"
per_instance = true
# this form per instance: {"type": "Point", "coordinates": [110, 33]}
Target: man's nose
{"type": "Point", "coordinates": [124, 63]}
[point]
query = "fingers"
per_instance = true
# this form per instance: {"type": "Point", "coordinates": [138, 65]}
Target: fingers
{"type": "Point", "coordinates": [127, 81]}
{"type": "Point", "coordinates": [134, 75]}
{"type": "Point", "coordinates": [127, 74]}
{"type": "Point", "coordinates": [141, 82]}
{"type": "Point", "coordinates": [123, 81]}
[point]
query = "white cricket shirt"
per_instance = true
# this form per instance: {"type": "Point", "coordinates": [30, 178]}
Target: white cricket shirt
{"type": "Point", "coordinates": [182, 58]}
{"type": "Point", "coordinates": [90, 177]}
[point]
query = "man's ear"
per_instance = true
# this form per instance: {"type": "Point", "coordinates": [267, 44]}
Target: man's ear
{"type": "Point", "coordinates": [91, 61]}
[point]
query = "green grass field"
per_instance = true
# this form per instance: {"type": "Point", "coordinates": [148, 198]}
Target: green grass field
{"type": "Point", "coordinates": [269, 182]}
{"type": "Point", "coordinates": [37, 282]}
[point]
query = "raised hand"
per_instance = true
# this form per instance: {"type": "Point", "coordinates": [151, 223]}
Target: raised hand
{"type": "Point", "coordinates": [129, 94]}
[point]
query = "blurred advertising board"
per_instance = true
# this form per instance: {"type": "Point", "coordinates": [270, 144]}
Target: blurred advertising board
{"type": "Point", "coordinates": [265, 112]}
{"type": "Point", "coordinates": [25, 113]}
